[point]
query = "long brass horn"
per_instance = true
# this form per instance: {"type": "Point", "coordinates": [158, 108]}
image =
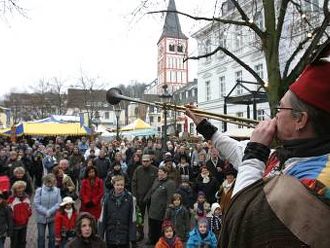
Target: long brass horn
{"type": "Point", "coordinates": [114, 96]}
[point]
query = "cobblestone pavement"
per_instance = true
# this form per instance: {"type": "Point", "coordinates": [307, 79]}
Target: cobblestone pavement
{"type": "Point", "coordinates": [31, 237]}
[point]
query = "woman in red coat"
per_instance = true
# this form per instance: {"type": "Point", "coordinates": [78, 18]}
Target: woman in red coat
{"type": "Point", "coordinates": [91, 193]}
{"type": "Point", "coordinates": [65, 220]}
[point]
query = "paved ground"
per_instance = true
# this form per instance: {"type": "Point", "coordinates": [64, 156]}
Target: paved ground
{"type": "Point", "coordinates": [32, 234]}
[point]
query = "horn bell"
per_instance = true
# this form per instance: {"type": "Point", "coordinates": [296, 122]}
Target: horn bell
{"type": "Point", "coordinates": [113, 96]}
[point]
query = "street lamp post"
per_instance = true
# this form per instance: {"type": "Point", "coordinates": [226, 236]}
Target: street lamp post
{"type": "Point", "coordinates": [117, 113]}
{"type": "Point", "coordinates": [166, 96]}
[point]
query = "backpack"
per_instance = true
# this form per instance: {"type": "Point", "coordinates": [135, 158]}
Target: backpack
{"type": "Point", "coordinates": [4, 183]}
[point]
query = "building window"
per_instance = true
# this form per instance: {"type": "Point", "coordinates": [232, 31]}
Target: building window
{"type": "Point", "coordinates": [238, 38]}
{"type": "Point", "coordinates": [207, 91]}
{"type": "Point", "coordinates": [171, 48]}
{"type": "Point", "coordinates": [151, 119]}
{"type": "Point", "coordinates": [187, 94]}
{"type": "Point", "coordinates": [106, 115]}
{"type": "Point", "coordinates": [240, 115]}
{"type": "Point", "coordinates": [180, 48]}
{"type": "Point", "coordinates": [259, 21]}
{"type": "Point", "coordinates": [159, 118]}
{"type": "Point", "coordinates": [222, 85]}
{"type": "Point", "coordinates": [208, 49]}
{"type": "Point", "coordinates": [311, 6]}
{"type": "Point", "coordinates": [191, 128]}
{"type": "Point", "coordinates": [238, 78]}
{"type": "Point", "coordinates": [259, 69]}
{"type": "Point", "coordinates": [261, 114]}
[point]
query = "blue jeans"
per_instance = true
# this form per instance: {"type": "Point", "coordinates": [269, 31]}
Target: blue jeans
{"type": "Point", "coordinates": [42, 237]}
{"type": "Point", "coordinates": [2, 242]}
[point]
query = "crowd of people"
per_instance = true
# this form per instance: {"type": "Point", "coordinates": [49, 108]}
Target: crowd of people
{"type": "Point", "coordinates": [221, 192]}
{"type": "Point", "coordinates": [182, 190]}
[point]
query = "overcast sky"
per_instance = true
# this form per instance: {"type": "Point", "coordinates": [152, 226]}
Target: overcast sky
{"type": "Point", "coordinates": [101, 38]}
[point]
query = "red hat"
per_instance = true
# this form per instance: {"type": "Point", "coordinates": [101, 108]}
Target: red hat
{"type": "Point", "coordinates": [313, 86]}
{"type": "Point", "coordinates": [166, 224]}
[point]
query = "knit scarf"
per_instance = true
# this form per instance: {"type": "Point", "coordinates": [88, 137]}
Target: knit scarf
{"type": "Point", "coordinates": [302, 148]}
{"type": "Point", "coordinates": [215, 223]}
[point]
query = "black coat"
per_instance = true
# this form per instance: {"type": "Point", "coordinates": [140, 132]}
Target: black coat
{"type": "Point", "coordinates": [117, 218]}
{"type": "Point", "coordinates": [6, 220]}
{"type": "Point", "coordinates": [79, 242]}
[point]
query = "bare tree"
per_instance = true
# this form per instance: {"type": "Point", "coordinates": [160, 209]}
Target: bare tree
{"type": "Point", "coordinates": [270, 33]}
{"type": "Point", "coordinates": [57, 87]}
{"type": "Point", "coordinates": [91, 101]}
{"type": "Point", "coordinates": [11, 6]}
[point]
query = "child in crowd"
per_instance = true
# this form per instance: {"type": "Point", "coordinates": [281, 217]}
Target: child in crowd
{"type": "Point", "coordinates": [6, 220]}
{"type": "Point", "coordinates": [186, 192]}
{"type": "Point", "coordinates": [21, 208]}
{"type": "Point", "coordinates": [118, 215]}
{"type": "Point", "coordinates": [201, 236]}
{"type": "Point", "coordinates": [86, 233]}
{"type": "Point", "coordinates": [201, 206]}
{"type": "Point", "coordinates": [168, 238]}
{"type": "Point", "coordinates": [215, 219]}
{"type": "Point", "coordinates": [65, 220]}
{"type": "Point", "coordinates": [179, 217]}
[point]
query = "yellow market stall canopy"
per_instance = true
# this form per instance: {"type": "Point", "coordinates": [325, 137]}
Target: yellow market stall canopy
{"type": "Point", "coordinates": [137, 124]}
{"type": "Point", "coordinates": [48, 129]}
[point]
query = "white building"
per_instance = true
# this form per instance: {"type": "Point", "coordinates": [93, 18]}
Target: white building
{"type": "Point", "coordinates": [222, 79]}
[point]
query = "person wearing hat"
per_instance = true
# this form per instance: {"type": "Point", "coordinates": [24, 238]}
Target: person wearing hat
{"type": "Point", "coordinates": [226, 189]}
{"type": "Point", "coordinates": [168, 238]}
{"type": "Point", "coordinates": [159, 196]}
{"type": "Point", "coordinates": [86, 233]}
{"type": "Point", "coordinates": [65, 220]}
{"type": "Point", "coordinates": [201, 236]}
{"type": "Point", "coordinates": [6, 220]}
{"type": "Point", "coordinates": [143, 178]}
{"type": "Point", "coordinates": [282, 199]}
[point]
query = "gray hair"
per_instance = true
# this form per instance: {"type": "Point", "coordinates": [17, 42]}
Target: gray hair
{"type": "Point", "coordinates": [19, 169]}
{"type": "Point", "coordinates": [18, 184]}
{"type": "Point", "coordinates": [319, 119]}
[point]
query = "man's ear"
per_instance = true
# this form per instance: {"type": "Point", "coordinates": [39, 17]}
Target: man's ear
{"type": "Point", "coordinates": [302, 120]}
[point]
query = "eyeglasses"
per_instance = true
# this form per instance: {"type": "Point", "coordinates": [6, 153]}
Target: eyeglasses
{"type": "Point", "coordinates": [278, 109]}
{"type": "Point", "coordinates": [145, 161]}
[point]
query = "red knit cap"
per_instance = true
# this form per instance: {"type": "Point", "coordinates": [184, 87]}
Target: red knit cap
{"type": "Point", "coordinates": [166, 224]}
{"type": "Point", "coordinates": [313, 86]}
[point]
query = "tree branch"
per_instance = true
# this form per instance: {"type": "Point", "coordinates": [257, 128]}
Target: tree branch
{"type": "Point", "coordinates": [247, 20]}
{"type": "Point", "coordinates": [281, 17]}
{"type": "Point", "coordinates": [199, 18]}
{"type": "Point", "coordinates": [293, 55]}
{"type": "Point", "coordinates": [235, 58]}
{"type": "Point", "coordinates": [306, 58]}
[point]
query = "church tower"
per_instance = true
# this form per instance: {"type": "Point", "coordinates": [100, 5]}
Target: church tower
{"type": "Point", "coordinates": [172, 49]}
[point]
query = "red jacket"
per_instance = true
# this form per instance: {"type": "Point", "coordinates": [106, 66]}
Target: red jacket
{"type": "Point", "coordinates": [163, 244]}
{"type": "Point", "coordinates": [91, 193]}
{"type": "Point", "coordinates": [21, 209]}
{"type": "Point", "coordinates": [63, 223]}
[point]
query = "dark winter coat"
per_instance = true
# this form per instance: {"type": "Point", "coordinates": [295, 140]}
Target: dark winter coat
{"type": "Point", "coordinates": [117, 218]}
{"type": "Point", "coordinates": [188, 196]}
{"type": "Point", "coordinates": [142, 181]}
{"type": "Point", "coordinates": [79, 242]}
{"type": "Point", "coordinates": [160, 196]}
{"type": "Point", "coordinates": [209, 188]}
{"type": "Point", "coordinates": [180, 218]}
{"type": "Point", "coordinates": [102, 166]}
{"type": "Point", "coordinates": [6, 220]}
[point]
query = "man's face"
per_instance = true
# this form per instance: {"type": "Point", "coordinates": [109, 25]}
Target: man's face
{"type": "Point", "coordinates": [119, 186]}
{"type": "Point", "coordinates": [286, 124]}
